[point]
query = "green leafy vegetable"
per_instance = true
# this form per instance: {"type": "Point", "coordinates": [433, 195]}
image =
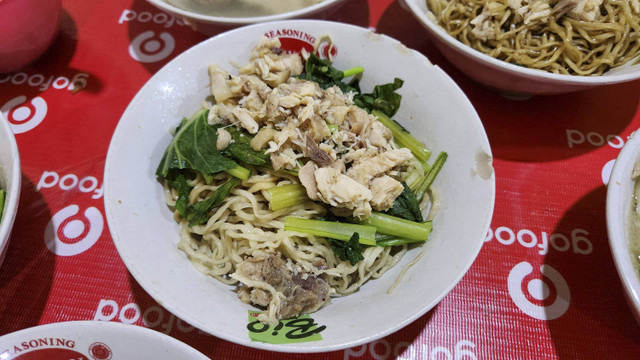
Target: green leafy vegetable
{"type": "Point", "coordinates": [384, 98]}
{"type": "Point", "coordinates": [194, 147]}
{"type": "Point", "coordinates": [198, 213]}
{"type": "Point", "coordinates": [240, 149]}
{"type": "Point", "coordinates": [348, 250]}
{"type": "Point", "coordinates": [322, 72]}
{"type": "Point", "coordinates": [406, 206]}
{"type": "Point", "coordinates": [179, 182]}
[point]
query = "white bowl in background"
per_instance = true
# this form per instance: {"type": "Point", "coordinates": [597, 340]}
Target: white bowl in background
{"type": "Point", "coordinates": [506, 77]}
{"type": "Point", "coordinates": [433, 108]}
{"type": "Point", "coordinates": [209, 24]}
{"type": "Point", "coordinates": [10, 181]}
{"type": "Point", "coordinates": [619, 206]}
{"type": "Point", "coordinates": [94, 340]}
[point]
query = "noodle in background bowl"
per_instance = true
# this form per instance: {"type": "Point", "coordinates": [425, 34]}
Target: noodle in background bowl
{"type": "Point", "coordinates": [10, 181]}
{"type": "Point", "coordinates": [433, 108]}
{"type": "Point", "coordinates": [506, 77]}
{"type": "Point", "coordinates": [619, 202]}
{"type": "Point", "coordinates": [210, 24]}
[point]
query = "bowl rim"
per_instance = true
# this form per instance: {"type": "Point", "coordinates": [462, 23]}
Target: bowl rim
{"type": "Point", "coordinates": [223, 20]}
{"type": "Point", "coordinates": [13, 193]}
{"type": "Point", "coordinates": [617, 227]}
{"type": "Point", "coordinates": [442, 35]}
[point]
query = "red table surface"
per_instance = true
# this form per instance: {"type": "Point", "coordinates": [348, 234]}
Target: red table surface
{"type": "Point", "coordinates": [552, 157]}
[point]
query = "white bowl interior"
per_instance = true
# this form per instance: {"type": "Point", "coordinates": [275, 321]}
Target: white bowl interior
{"type": "Point", "coordinates": [619, 202]}
{"type": "Point", "coordinates": [538, 79]}
{"type": "Point", "coordinates": [223, 20]}
{"type": "Point", "coordinates": [433, 108]}
{"type": "Point", "coordinates": [10, 180]}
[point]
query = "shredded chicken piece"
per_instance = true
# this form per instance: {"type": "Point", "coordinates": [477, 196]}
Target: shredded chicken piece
{"type": "Point", "coordinates": [587, 10]}
{"type": "Point", "coordinates": [262, 138]}
{"type": "Point", "coordinates": [274, 67]}
{"type": "Point", "coordinates": [482, 26]}
{"type": "Point", "coordinates": [533, 12]}
{"type": "Point", "coordinates": [224, 139]}
{"type": "Point", "coordinates": [384, 190]}
{"type": "Point", "coordinates": [306, 174]}
{"type": "Point", "coordinates": [366, 169]}
{"type": "Point", "coordinates": [337, 189]}
{"type": "Point", "coordinates": [246, 120]}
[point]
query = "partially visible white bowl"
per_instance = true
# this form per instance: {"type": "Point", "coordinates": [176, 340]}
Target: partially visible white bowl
{"type": "Point", "coordinates": [209, 24]}
{"type": "Point", "coordinates": [433, 108]}
{"type": "Point", "coordinates": [10, 180]}
{"type": "Point", "coordinates": [619, 206]}
{"type": "Point", "coordinates": [94, 340]}
{"type": "Point", "coordinates": [507, 77]}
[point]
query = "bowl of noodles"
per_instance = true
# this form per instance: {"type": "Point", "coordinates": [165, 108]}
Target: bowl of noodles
{"type": "Point", "coordinates": [623, 220]}
{"type": "Point", "coordinates": [10, 182]}
{"type": "Point", "coordinates": [536, 46]}
{"type": "Point", "coordinates": [212, 16]}
{"type": "Point", "coordinates": [280, 191]}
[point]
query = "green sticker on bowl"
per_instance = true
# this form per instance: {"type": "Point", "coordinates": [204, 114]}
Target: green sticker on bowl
{"type": "Point", "coordinates": [295, 330]}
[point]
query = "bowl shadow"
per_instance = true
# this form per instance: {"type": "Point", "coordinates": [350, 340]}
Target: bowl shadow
{"type": "Point", "coordinates": [598, 313]}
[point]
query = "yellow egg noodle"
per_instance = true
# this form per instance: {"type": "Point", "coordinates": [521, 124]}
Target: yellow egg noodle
{"type": "Point", "coordinates": [577, 37]}
{"type": "Point", "coordinates": [352, 167]}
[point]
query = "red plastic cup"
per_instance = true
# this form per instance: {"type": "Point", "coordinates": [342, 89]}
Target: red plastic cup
{"type": "Point", "coordinates": [27, 29]}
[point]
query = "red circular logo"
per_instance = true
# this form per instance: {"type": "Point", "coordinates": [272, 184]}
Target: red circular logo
{"type": "Point", "coordinates": [100, 351]}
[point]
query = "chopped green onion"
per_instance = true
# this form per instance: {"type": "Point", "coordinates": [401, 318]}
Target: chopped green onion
{"type": "Point", "coordinates": [331, 229]}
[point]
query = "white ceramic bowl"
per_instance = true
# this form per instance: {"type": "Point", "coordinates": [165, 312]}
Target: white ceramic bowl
{"type": "Point", "coordinates": [209, 24]}
{"type": "Point", "coordinates": [619, 202]}
{"type": "Point", "coordinates": [93, 340]}
{"type": "Point", "coordinates": [506, 77]}
{"type": "Point", "coordinates": [10, 180]}
{"type": "Point", "coordinates": [433, 108]}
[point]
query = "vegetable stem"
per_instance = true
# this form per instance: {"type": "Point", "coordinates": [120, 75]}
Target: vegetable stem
{"type": "Point", "coordinates": [330, 229]}
{"type": "Point", "coordinates": [353, 71]}
{"type": "Point", "coordinates": [431, 174]}
{"type": "Point", "coordinates": [239, 172]}
{"type": "Point", "coordinates": [390, 240]}
{"type": "Point", "coordinates": [287, 195]}
{"type": "Point", "coordinates": [392, 225]}
{"type": "Point", "coordinates": [404, 138]}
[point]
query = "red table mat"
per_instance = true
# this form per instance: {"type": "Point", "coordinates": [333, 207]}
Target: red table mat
{"type": "Point", "coordinates": [552, 157]}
